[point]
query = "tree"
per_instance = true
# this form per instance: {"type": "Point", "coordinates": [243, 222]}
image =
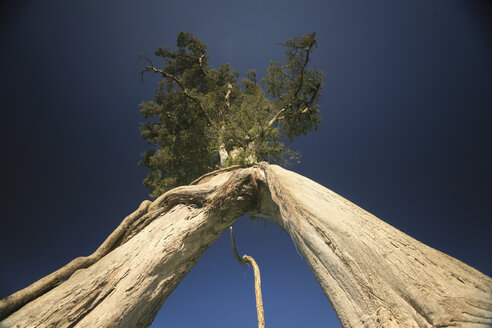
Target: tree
{"type": "Point", "coordinates": [373, 274]}
{"type": "Point", "coordinates": [203, 118]}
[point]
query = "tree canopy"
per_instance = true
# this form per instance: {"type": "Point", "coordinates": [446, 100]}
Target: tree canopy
{"type": "Point", "coordinates": [203, 118]}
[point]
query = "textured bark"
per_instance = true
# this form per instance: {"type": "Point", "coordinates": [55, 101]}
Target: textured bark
{"type": "Point", "coordinates": [127, 287]}
{"type": "Point", "coordinates": [373, 274]}
{"type": "Point", "coordinates": [23, 296]}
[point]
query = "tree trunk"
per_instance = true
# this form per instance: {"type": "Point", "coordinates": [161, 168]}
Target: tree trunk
{"type": "Point", "coordinates": [373, 274]}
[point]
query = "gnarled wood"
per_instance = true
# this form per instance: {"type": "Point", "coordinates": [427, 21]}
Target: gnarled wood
{"type": "Point", "coordinates": [127, 287]}
{"type": "Point", "coordinates": [23, 296]}
{"type": "Point", "coordinates": [373, 274]}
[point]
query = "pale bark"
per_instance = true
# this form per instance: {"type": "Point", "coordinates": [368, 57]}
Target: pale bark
{"type": "Point", "coordinates": [373, 274]}
{"type": "Point", "coordinates": [23, 296]}
{"type": "Point", "coordinates": [259, 299]}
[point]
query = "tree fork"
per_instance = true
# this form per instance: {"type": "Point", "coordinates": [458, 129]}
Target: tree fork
{"type": "Point", "coordinates": [373, 274]}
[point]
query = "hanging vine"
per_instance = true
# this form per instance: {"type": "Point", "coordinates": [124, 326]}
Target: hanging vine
{"type": "Point", "coordinates": [248, 259]}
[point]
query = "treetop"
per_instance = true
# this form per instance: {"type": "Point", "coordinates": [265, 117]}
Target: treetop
{"type": "Point", "coordinates": [203, 118]}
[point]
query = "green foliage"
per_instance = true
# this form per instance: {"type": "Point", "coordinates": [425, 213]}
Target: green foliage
{"type": "Point", "coordinates": [203, 118]}
{"type": "Point", "coordinates": [296, 88]}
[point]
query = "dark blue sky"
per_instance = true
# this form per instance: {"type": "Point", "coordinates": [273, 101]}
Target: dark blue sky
{"type": "Point", "coordinates": [406, 134]}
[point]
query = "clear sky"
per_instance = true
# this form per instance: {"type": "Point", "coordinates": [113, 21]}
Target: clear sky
{"type": "Point", "coordinates": [406, 134]}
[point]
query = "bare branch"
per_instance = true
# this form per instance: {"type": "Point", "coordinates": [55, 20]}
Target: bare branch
{"type": "Point", "coordinates": [276, 117]}
{"type": "Point", "coordinates": [227, 96]}
{"type": "Point", "coordinates": [200, 63]}
{"type": "Point", "coordinates": [143, 71]}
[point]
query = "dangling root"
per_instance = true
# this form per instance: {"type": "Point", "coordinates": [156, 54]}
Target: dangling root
{"type": "Point", "coordinates": [259, 300]}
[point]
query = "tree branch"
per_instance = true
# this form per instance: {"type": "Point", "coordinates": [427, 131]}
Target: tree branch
{"type": "Point", "coordinates": [200, 63]}
{"type": "Point", "coordinates": [227, 96]}
{"type": "Point", "coordinates": [152, 68]}
{"type": "Point", "coordinates": [276, 117]}
{"type": "Point", "coordinates": [308, 49]}
{"type": "Point", "coordinates": [227, 101]}
{"type": "Point", "coordinates": [296, 93]}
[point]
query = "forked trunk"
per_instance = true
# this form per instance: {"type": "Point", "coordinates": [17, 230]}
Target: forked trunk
{"type": "Point", "coordinates": [373, 274]}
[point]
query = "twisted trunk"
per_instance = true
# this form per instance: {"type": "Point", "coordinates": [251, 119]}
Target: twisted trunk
{"type": "Point", "coordinates": [373, 274]}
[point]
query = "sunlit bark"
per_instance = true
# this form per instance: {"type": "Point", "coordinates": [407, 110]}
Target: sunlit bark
{"type": "Point", "coordinates": [373, 274]}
